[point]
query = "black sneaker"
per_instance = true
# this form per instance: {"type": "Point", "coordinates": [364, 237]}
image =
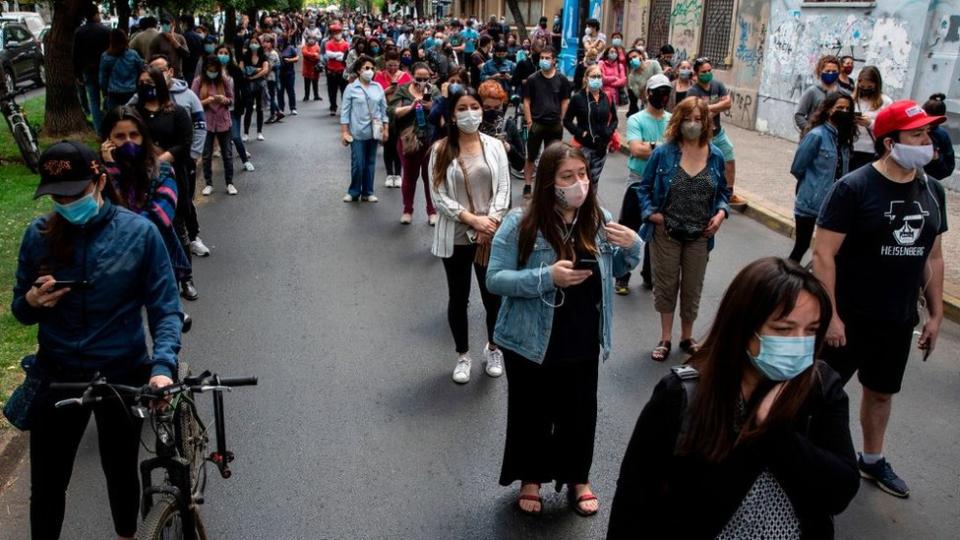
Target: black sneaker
{"type": "Point", "coordinates": [882, 474]}
{"type": "Point", "coordinates": [188, 290]}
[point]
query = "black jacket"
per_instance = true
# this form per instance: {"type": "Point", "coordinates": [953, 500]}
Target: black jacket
{"type": "Point", "coordinates": [89, 42]}
{"type": "Point", "coordinates": [591, 123]}
{"type": "Point", "coordinates": [661, 495]}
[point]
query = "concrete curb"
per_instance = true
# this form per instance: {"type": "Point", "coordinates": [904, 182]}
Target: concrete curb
{"type": "Point", "coordinates": [13, 448]}
{"type": "Point", "coordinates": [784, 225]}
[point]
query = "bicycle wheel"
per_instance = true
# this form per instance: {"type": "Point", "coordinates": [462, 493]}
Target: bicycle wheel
{"type": "Point", "coordinates": [27, 143]}
{"type": "Point", "coordinates": [191, 439]}
{"type": "Point", "coordinates": [164, 522]}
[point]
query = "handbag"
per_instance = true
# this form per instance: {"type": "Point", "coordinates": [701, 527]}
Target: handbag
{"type": "Point", "coordinates": [482, 256]}
{"type": "Point", "coordinates": [20, 409]}
{"type": "Point", "coordinates": [378, 134]}
{"type": "Point", "coordinates": [410, 140]}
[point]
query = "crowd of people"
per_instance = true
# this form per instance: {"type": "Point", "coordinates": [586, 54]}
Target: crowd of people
{"type": "Point", "coordinates": [753, 430]}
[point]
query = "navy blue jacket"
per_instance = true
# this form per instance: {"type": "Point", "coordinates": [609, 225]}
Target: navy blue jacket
{"type": "Point", "coordinates": [101, 329]}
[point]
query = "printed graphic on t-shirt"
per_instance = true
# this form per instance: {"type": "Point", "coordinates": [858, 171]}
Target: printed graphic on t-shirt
{"type": "Point", "coordinates": [906, 220]}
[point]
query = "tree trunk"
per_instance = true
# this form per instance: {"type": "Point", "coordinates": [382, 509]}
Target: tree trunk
{"type": "Point", "coordinates": [518, 20]}
{"type": "Point", "coordinates": [229, 24]}
{"type": "Point", "coordinates": [63, 115]}
{"type": "Point", "coordinates": [123, 15]}
{"type": "Point", "coordinates": [418, 4]}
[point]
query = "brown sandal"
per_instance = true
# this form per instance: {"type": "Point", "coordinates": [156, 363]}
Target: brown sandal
{"type": "Point", "coordinates": [689, 346]}
{"type": "Point", "coordinates": [580, 500]}
{"type": "Point", "coordinates": [533, 498]}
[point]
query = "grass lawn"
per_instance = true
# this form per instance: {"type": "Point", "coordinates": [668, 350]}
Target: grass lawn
{"type": "Point", "coordinates": [17, 210]}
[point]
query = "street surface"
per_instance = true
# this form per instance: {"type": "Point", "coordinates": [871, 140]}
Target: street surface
{"type": "Point", "coordinates": [356, 430]}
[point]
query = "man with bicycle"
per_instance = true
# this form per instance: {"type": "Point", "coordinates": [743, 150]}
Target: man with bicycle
{"type": "Point", "coordinates": [85, 274]}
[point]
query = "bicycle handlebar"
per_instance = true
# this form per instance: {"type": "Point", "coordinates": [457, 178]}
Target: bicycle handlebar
{"type": "Point", "coordinates": [197, 385]}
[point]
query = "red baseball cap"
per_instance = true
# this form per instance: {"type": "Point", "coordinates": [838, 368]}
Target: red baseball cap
{"type": "Point", "coordinates": [335, 27]}
{"type": "Point", "coordinates": [903, 115]}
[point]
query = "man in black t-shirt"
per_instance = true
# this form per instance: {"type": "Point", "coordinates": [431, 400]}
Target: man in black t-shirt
{"type": "Point", "coordinates": [544, 106]}
{"type": "Point", "coordinates": [878, 244]}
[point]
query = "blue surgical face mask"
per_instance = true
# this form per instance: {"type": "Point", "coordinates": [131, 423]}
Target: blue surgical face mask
{"type": "Point", "coordinates": [80, 211]}
{"type": "Point", "coordinates": [521, 55]}
{"type": "Point", "coordinates": [634, 63]}
{"type": "Point", "coordinates": [546, 64]}
{"type": "Point", "coordinates": [213, 74]}
{"type": "Point", "coordinates": [595, 84]}
{"type": "Point", "coordinates": [209, 48]}
{"type": "Point", "coordinates": [455, 88]}
{"type": "Point", "coordinates": [782, 358]}
{"type": "Point", "coordinates": [224, 58]}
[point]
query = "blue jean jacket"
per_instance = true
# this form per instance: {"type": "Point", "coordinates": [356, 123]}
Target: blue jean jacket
{"type": "Point", "coordinates": [653, 188]}
{"type": "Point", "coordinates": [815, 168]}
{"type": "Point", "coordinates": [526, 315]}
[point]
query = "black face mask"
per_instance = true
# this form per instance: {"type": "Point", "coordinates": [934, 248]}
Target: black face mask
{"type": "Point", "coordinates": [492, 123]}
{"type": "Point", "coordinates": [146, 92]}
{"type": "Point", "coordinates": [866, 92]}
{"type": "Point", "coordinates": [843, 120]}
{"type": "Point", "coordinates": [659, 98]}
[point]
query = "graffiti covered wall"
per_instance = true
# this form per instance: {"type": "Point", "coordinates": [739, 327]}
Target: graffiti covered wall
{"type": "Point", "coordinates": [749, 41]}
{"type": "Point", "coordinates": [885, 36]}
{"type": "Point", "coordinates": [686, 18]}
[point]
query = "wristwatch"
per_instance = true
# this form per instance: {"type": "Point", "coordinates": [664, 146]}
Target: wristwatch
{"type": "Point", "coordinates": [653, 146]}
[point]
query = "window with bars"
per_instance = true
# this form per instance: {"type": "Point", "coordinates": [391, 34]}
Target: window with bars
{"type": "Point", "coordinates": [531, 10]}
{"type": "Point", "coordinates": [658, 30]}
{"type": "Point", "coordinates": [715, 32]}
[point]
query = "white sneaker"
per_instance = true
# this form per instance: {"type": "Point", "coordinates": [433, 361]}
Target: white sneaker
{"type": "Point", "coordinates": [247, 166]}
{"type": "Point", "coordinates": [348, 198]}
{"type": "Point", "coordinates": [461, 373]}
{"type": "Point", "coordinates": [389, 181]}
{"type": "Point", "coordinates": [493, 361]}
{"type": "Point", "coordinates": [370, 198]}
{"type": "Point", "coordinates": [198, 248]}
{"type": "Point", "coordinates": [207, 190]}
{"type": "Point", "coordinates": [231, 190]}
{"type": "Point", "coordinates": [245, 137]}
{"type": "Point", "coordinates": [294, 112]}
{"type": "Point", "coordinates": [259, 136]}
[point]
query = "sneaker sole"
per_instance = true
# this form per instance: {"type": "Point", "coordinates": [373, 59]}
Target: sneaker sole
{"type": "Point", "coordinates": [461, 382]}
{"type": "Point", "coordinates": [882, 486]}
{"type": "Point", "coordinates": [491, 375]}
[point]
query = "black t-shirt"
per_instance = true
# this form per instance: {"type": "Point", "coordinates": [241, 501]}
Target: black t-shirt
{"type": "Point", "coordinates": [546, 95]}
{"type": "Point", "coordinates": [714, 93]}
{"type": "Point", "coordinates": [890, 229]}
{"type": "Point", "coordinates": [575, 334]}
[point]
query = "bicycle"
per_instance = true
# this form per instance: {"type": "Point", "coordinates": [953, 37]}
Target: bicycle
{"type": "Point", "coordinates": [23, 132]}
{"type": "Point", "coordinates": [516, 124]}
{"type": "Point", "coordinates": [170, 510]}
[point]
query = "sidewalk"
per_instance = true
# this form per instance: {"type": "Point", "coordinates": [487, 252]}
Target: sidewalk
{"type": "Point", "coordinates": [763, 178]}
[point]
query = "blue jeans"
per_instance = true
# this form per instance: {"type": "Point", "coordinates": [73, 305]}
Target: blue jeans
{"type": "Point", "coordinates": [287, 81]}
{"type": "Point", "coordinates": [235, 136]}
{"type": "Point", "coordinates": [363, 162]}
{"type": "Point", "coordinates": [92, 87]}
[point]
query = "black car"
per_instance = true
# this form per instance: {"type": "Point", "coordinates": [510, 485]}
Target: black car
{"type": "Point", "coordinates": [20, 56]}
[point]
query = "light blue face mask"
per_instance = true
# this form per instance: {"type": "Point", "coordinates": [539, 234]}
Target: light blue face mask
{"type": "Point", "coordinates": [545, 65]}
{"type": "Point", "coordinates": [595, 84]}
{"type": "Point", "coordinates": [782, 358]}
{"type": "Point", "coordinates": [80, 211]}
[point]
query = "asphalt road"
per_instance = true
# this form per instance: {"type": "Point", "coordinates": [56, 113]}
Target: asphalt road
{"type": "Point", "coordinates": [357, 431]}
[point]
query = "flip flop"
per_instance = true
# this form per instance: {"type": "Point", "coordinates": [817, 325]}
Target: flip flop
{"type": "Point", "coordinates": [689, 346]}
{"type": "Point", "coordinates": [534, 498]}
{"type": "Point", "coordinates": [580, 500]}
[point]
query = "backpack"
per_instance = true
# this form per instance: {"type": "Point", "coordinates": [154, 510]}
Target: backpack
{"type": "Point", "coordinates": [689, 377]}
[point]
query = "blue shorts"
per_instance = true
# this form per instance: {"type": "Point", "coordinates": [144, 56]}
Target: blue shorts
{"type": "Point", "coordinates": [722, 142]}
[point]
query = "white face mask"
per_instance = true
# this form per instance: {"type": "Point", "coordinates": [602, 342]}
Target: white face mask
{"type": "Point", "coordinates": [366, 74]}
{"type": "Point", "coordinates": [469, 121]}
{"type": "Point", "coordinates": [912, 157]}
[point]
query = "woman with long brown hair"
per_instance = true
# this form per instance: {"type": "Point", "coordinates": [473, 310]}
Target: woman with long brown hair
{"type": "Point", "coordinates": [754, 435]}
{"type": "Point", "coordinates": [215, 89]}
{"type": "Point", "coordinates": [868, 99]}
{"type": "Point", "coordinates": [554, 264]}
{"type": "Point", "coordinates": [470, 182]}
{"type": "Point", "coordinates": [684, 199]}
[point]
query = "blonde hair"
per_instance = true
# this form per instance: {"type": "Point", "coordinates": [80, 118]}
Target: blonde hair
{"type": "Point", "coordinates": [586, 75]}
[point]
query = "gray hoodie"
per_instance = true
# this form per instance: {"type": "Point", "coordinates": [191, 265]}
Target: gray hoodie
{"type": "Point", "coordinates": [183, 96]}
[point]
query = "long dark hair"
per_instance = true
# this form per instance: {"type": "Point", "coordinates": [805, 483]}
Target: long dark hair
{"type": "Point", "coordinates": [872, 74]}
{"type": "Point", "coordinates": [219, 85]}
{"type": "Point", "coordinates": [447, 149]}
{"type": "Point", "coordinates": [160, 83]}
{"type": "Point", "coordinates": [542, 213]}
{"type": "Point", "coordinates": [846, 133]}
{"type": "Point", "coordinates": [118, 42]}
{"type": "Point", "coordinates": [136, 175]}
{"type": "Point", "coordinates": [765, 288]}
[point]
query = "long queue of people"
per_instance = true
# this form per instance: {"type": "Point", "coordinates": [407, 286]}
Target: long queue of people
{"type": "Point", "coordinates": [754, 431]}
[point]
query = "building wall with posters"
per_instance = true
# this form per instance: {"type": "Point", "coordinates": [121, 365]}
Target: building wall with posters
{"type": "Point", "coordinates": [531, 10]}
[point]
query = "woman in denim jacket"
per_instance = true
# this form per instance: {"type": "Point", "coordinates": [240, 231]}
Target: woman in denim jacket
{"type": "Point", "coordinates": [822, 157]}
{"type": "Point", "coordinates": [684, 199]}
{"type": "Point", "coordinates": [554, 265]}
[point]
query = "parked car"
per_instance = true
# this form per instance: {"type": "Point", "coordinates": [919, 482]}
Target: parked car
{"type": "Point", "coordinates": [33, 21]}
{"type": "Point", "coordinates": [20, 56]}
{"type": "Point", "coordinates": [41, 37]}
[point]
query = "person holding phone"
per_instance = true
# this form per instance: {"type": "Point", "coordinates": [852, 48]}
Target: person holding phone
{"type": "Point", "coordinates": [410, 107]}
{"type": "Point", "coordinates": [97, 328]}
{"type": "Point", "coordinates": [391, 78]}
{"type": "Point", "coordinates": [555, 325]}
{"type": "Point", "coordinates": [215, 90]}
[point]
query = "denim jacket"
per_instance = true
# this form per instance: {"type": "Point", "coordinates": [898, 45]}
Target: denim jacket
{"type": "Point", "coordinates": [526, 315]}
{"type": "Point", "coordinates": [653, 188]}
{"type": "Point", "coordinates": [815, 168]}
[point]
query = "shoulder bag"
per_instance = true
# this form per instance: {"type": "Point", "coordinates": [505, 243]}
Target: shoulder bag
{"type": "Point", "coordinates": [377, 123]}
{"type": "Point", "coordinates": [21, 408]}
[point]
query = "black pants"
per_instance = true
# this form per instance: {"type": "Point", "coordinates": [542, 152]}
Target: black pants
{"type": "Point", "coordinates": [391, 157]}
{"type": "Point", "coordinates": [458, 268]}
{"type": "Point", "coordinates": [223, 141]}
{"type": "Point", "coordinates": [307, 85]}
{"type": "Point", "coordinates": [551, 420]}
{"type": "Point", "coordinates": [630, 216]}
{"type": "Point", "coordinates": [54, 441]}
{"type": "Point", "coordinates": [803, 234]}
{"type": "Point", "coordinates": [634, 103]}
{"type": "Point", "coordinates": [335, 83]}
{"type": "Point", "coordinates": [256, 99]}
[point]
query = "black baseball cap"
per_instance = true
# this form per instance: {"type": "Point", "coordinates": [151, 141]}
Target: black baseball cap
{"type": "Point", "coordinates": [66, 169]}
